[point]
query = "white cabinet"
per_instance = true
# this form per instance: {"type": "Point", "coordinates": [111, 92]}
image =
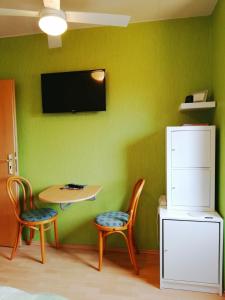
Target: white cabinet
{"type": "Point", "coordinates": [190, 148]}
{"type": "Point", "coordinates": [191, 250]}
{"type": "Point", "coordinates": [190, 254]}
{"type": "Point", "coordinates": [190, 187]}
{"type": "Point", "coordinates": [190, 168]}
{"type": "Point", "coordinates": [191, 232]}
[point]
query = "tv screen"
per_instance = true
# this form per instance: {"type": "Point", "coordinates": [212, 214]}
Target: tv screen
{"type": "Point", "coordinates": [76, 91]}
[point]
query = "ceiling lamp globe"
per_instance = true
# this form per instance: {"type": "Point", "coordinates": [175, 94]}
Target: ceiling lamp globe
{"type": "Point", "coordinates": [52, 21]}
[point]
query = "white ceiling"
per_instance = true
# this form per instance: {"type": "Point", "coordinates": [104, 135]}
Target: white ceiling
{"type": "Point", "coordinates": [139, 10]}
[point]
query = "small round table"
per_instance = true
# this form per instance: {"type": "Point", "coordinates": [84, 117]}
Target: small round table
{"type": "Point", "coordinates": [65, 197]}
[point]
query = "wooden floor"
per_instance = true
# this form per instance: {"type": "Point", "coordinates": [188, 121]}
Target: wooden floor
{"type": "Point", "coordinates": [72, 273]}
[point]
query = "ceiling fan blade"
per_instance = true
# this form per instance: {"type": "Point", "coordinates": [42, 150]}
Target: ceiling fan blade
{"type": "Point", "coordinates": [18, 12]}
{"type": "Point", "coordinates": [52, 4]}
{"type": "Point", "coordinates": [54, 41]}
{"type": "Point", "coordinates": [97, 18]}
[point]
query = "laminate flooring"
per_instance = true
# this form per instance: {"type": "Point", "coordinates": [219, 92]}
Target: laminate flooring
{"type": "Point", "coordinates": [72, 273]}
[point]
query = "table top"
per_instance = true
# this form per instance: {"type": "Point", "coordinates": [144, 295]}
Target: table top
{"type": "Point", "coordinates": [55, 194]}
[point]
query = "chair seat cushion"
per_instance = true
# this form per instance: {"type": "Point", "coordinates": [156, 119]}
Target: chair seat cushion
{"type": "Point", "coordinates": [41, 214]}
{"type": "Point", "coordinates": [112, 219]}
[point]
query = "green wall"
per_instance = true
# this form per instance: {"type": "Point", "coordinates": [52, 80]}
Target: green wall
{"type": "Point", "coordinates": [151, 67]}
{"type": "Point", "coordinates": [218, 54]}
{"type": "Point", "coordinates": [218, 67]}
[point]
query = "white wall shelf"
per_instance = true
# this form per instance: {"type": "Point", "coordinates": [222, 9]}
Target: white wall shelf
{"type": "Point", "coordinates": [197, 105]}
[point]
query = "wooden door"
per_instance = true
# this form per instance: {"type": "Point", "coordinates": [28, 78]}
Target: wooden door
{"type": "Point", "coordinates": [8, 156]}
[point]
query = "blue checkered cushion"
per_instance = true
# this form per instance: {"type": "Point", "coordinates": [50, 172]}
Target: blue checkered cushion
{"type": "Point", "coordinates": [41, 214]}
{"type": "Point", "coordinates": [112, 219]}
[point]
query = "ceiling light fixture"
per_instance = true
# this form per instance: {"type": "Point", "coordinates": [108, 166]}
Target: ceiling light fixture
{"type": "Point", "coordinates": [52, 21]}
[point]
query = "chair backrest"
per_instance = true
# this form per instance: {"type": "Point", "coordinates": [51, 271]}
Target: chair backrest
{"type": "Point", "coordinates": [132, 210]}
{"type": "Point", "coordinates": [20, 193]}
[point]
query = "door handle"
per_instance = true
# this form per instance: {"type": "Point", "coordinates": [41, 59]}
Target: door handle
{"type": "Point", "coordinates": [4, 160]}
{"type": "Point", "coordinates": [12, 165]}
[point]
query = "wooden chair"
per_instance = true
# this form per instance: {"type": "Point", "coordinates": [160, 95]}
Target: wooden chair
{"type": "Point", "coordinates": [118, 222]}
{"type": "Point", "coordinates": [29, 216]}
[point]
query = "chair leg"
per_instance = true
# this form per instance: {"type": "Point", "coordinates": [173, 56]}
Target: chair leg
{"type": "Point", "coordinates": [100, 239]}
{"type": "Point", "coordinates": [15, 246]}
{"type": "Point", "coordinates": [132, 250]}
{"type": "Point", "coordinates": [128, 247]}
{"type": "Point", "coordinates": [56, 234]}
{"type": "Point", "coordinates": [42, 238]}
{"type": "Point", "coordinates": [134, 243]}
{"type": "Point", "coordinates": [104, 243]}
{"type": "Point", "coordinates": [31, 236]}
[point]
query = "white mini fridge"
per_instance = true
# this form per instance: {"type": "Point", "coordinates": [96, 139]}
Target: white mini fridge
{"type": "Point", "coordinates": [191, 249]}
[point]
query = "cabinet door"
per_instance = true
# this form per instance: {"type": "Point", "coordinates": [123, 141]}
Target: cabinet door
{"type": "Point", "coordinates": [191, 251]}
{"type": "Point", "coordinates": [191, 188]}
{"type": "Point", "coordinates": [190, 148]}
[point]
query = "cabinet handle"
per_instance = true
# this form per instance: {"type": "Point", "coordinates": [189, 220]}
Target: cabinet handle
{"type": "Point", "coordinates": [173, 149]}
{"type": "Point", "coordinates": [173, 188]}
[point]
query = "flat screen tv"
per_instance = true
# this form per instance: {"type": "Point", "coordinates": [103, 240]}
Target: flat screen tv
{"type": "Point", "coordinates": [77, 91]}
